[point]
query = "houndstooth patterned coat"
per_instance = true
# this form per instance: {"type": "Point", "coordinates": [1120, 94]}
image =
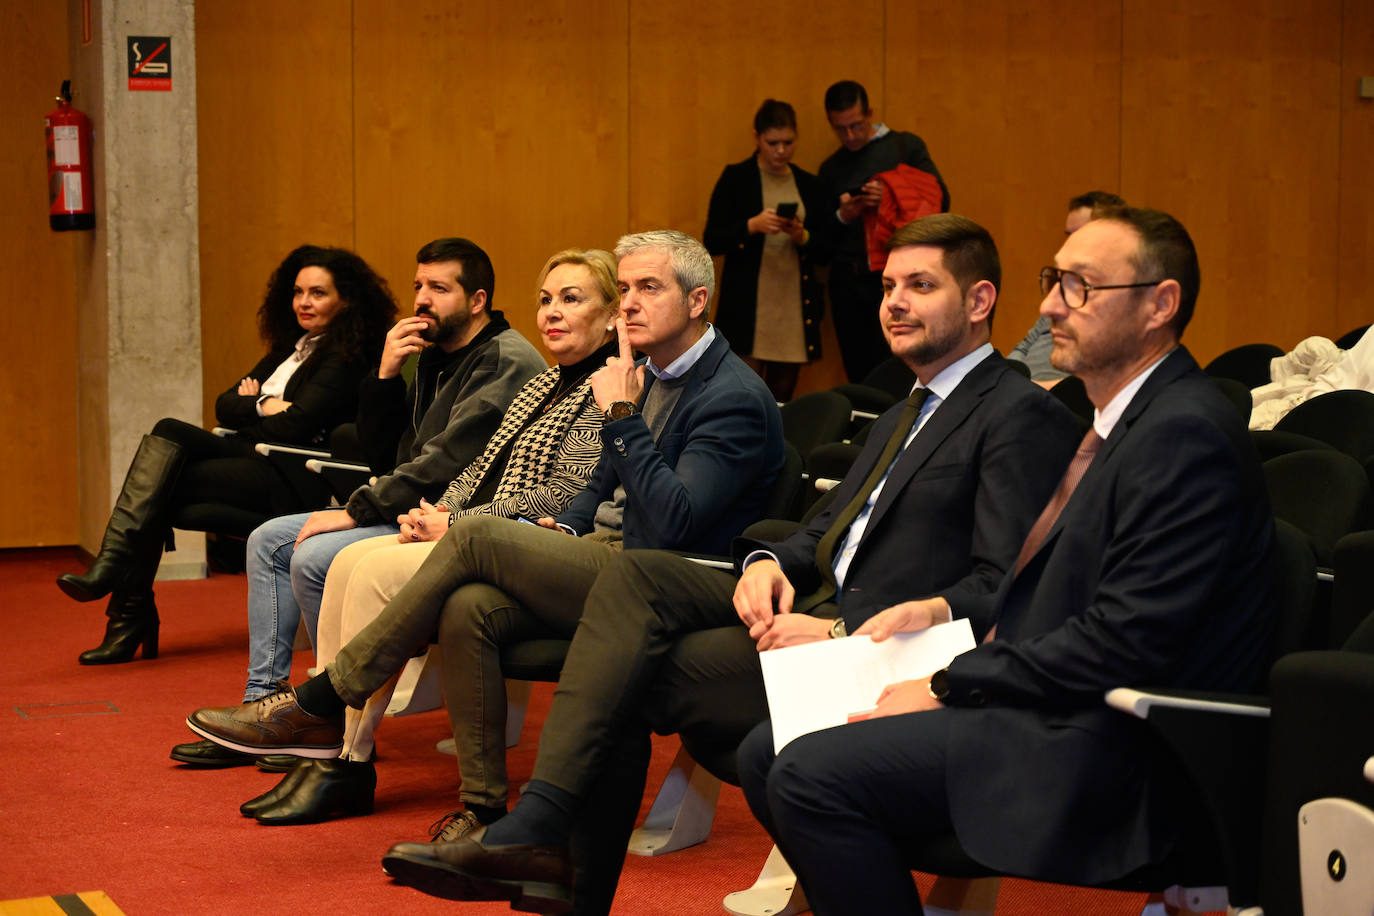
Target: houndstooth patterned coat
{"type": "Point", "coordinates": [551, 461]}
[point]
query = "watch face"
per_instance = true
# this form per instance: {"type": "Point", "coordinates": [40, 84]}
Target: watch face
{"type": "Point", "coordinates": [619, 410]}
{"type": "Point", "coordinates": [939, 684]}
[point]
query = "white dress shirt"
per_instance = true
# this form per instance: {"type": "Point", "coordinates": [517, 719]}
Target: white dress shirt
{"type": "Point", "coordinates": [941, 387]}
{"type": "Point", "coordinates": [275, 385]}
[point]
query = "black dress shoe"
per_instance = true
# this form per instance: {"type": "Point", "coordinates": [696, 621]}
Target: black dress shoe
{"type": "Point", "coordinates": [535, 879]}
{"type": "Point", "coordinates": [207, 755]}
{"type": "Point", "coordinates": [329, 789]}
{"type": "Point", "coordinates": [277, 763]}
{"type": "Point", "coordinates": [275, 794]}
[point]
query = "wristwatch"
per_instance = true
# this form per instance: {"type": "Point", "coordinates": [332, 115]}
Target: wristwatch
{"type": "Point", "coordinates": [939, 685]}
{"type": "Point", "coordinates": [619, 410]}
{"type": "Point", "coordinates": [837, 630]}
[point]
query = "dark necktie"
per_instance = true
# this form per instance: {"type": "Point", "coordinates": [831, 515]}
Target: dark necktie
{"type": "Point", "coordinates": [825, 548]}
{"type": "Point", "coordinates": [1087, 449]}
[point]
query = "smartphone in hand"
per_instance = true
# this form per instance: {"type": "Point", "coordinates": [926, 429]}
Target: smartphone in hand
{"type": "Point", "coordinates": [858, 189]}
{"type": "Point", "coordinates": [787, 210]}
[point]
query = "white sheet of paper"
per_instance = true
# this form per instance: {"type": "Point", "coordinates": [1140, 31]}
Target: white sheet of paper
{"type": "Point", "coordinates": [823, 684]}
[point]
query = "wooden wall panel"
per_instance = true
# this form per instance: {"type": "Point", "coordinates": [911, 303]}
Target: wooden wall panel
{"type": "Point", "coordinates": [490, 121]}
{"type": "Point", "coordinates": [1231, 121]}
{"type": "Point", "coordinates": [696, 79]}
{"type": "Point", "coordinates": [1020, 109]}
{"type": "Point", "coordinates": [1355, 299]}
{"type": "Point", "coordinates": [38, 380]}
{"type": "Point", "coordinates": [275, 99]}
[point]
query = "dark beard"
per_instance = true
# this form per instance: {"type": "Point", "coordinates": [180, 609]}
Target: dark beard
{"type": "Point", "coordinates": [933, 348]}
{"type": "Point", "coordinates": [446, 330]}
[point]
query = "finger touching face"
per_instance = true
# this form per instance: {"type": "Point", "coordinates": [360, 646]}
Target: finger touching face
{"type": "Point", "coordinates": [441, 300]}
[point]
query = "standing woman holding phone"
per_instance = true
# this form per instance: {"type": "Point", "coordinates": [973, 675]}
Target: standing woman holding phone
{"type": "Point", "coordinates": [762, 215]}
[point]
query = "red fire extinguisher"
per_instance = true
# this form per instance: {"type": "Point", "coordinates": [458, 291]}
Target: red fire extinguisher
{"type": "Point", "coordinates": [71, 197]}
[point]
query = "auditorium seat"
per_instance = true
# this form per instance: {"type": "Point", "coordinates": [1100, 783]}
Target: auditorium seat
{"type": "Point", "coordinates": [1237, 394]}
{"type": "Point", "coordinates": [231, 525]}
{"type": "Point", "coordinates": [1352, 595]}
{"type": "Point", "coordinates": [1324, 493]}
{"type": "Point", "coordinates": [887, 383]}
{"type": "Point", "coordinates": [1071, 393]}
{"type": "Point", "coordinates": [1271, 443]}
{"type": "Point", "coordinates": [1318, 827]}
{"type": "Point", "coordinates": [1247, 364]}
{"type": "Point", "coordinates": [1344, 419]}
{"type": "Point", "coordinates": [815, 419]}
{"type": "Point", "coordinates": [1351, 337]}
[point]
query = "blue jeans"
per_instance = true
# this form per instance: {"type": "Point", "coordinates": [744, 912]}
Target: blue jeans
{"type": "Point", "coordinates": [284, 586]}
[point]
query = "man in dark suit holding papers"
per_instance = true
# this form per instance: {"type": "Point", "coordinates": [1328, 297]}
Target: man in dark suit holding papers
{"type": "Point", "coordinates": [1149, 566]}
{"type": "Point", "coordinates": [934, 508]}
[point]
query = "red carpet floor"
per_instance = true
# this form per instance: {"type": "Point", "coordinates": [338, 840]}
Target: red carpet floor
{"type": "Point", "coordinates": [90, 801]}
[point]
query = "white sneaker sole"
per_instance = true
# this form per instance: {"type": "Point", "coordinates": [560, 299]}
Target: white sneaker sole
{"type": "Point", "coordinates": [314, 753]}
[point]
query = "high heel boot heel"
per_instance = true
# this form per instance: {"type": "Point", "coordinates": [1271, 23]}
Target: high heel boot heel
{"type": "Point", "coordinates": [136, 529]}
{"type": "Point", "coordinates": [133, 622]}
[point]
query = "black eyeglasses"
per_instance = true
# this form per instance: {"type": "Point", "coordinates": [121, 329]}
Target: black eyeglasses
{"type": "Point", "coordinates": [1073, 289]}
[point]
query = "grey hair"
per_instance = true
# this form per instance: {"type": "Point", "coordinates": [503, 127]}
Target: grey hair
{"type": "Point", "coordinates": [691, 262]}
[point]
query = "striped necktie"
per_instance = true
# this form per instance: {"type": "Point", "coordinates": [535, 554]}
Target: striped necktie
{"type": "Point", "coordinates": [1078, 466]}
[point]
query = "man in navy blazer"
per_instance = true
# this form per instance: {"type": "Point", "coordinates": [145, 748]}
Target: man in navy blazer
{"type": "Point", "coordinates": [975, 461]}
{"type": "Point", "coordinates": [1156, 572]}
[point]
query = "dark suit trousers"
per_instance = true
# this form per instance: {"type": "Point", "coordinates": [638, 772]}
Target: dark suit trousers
{"type": "Point", "coordinates": [855, 295]}
{"type": "Point", "coordinates": [709, 690]}
{"type": "Point", "coordinates": [844, 802]}
{"type": "Point", "coordinates": [640, 604]}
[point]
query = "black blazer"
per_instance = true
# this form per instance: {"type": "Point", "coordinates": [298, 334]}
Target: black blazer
{"type": "Point", "coordinates": [1157, 573]}
{"type": "Point", "coordinates": [738, 195]}
{"type": "Point", "coordinates": [323, 393]}
{"type": "Point", "coordinates": [958, 503]}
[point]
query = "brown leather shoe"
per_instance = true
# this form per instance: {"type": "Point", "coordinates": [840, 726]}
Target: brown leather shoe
{"type": "Point", "coordinates": [534, 879]}
{"type": "Point", "coordinates": [448, 828]}
{"type": "Point", "coordinates": [276, 724]}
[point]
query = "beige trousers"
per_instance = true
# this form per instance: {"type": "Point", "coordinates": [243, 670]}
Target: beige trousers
{"type": "Point", "coordinates": [364, 576]}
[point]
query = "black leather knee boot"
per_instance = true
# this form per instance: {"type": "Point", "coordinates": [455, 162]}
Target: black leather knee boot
{"type": "Point", "coordinates": [136, 528]}
{"type": "Point", "coordinates": [132, 623]}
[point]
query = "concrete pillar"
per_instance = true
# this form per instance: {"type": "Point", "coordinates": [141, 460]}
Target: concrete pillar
{"type": "Point", "coordinates": [138, 272]}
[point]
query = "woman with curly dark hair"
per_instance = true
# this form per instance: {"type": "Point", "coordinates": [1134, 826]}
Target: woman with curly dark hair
{"type": "Point", "coordinates": [323, 318]}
